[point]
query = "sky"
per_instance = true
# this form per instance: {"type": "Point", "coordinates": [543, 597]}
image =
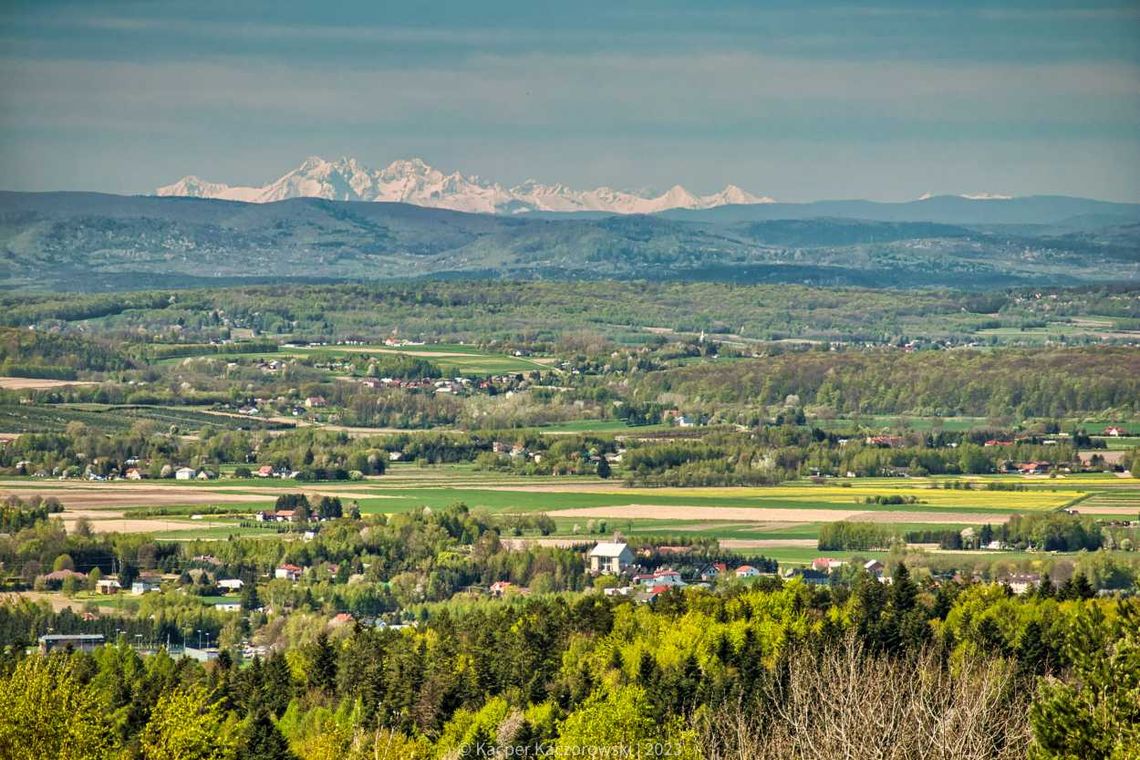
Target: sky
{"type": "Point", "coordinates": [797, 100]}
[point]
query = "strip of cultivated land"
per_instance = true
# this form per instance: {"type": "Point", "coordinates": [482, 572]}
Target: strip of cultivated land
{"type": "Point", "coordinates": [785, 515]}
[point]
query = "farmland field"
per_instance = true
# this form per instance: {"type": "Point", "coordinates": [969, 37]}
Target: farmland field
{"type": "Point", "coordinates": [452, 359]}
{"type": "Point", "coordinates": [791, 512]}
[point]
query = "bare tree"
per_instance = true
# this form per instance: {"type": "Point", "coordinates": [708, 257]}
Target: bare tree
{"type": "Point", "coordinates": [848, 704]}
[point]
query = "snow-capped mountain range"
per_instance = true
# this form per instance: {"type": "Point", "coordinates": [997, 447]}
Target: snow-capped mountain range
{"type": "Point", "coordinates": [415, 182]}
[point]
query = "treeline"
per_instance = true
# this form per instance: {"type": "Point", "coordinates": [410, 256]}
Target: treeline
{"type": "Point", "coordinates": [847, 535]}
{"type": "Point", "coordinates": [700, 672]}
{"type": "Point", "coordinates": [1046, 531]}
{"type": "Point", "coordinates": [153, 351]}
{"type": "Point", "coordinates": [1046, 382]}
{"type": "Point", "coordinates": [700, 464]}
{"type": "Point", "coordinates": [32, 353]}
{"type": "Point", "coordinates": [17, 514]}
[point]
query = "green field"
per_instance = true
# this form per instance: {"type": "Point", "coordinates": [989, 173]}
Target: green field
{"type": "Point", "coordinates": [791, 512]}
{"type": "Point", "coordinates": [111, 418]}
{"type": "Point", "coordinates": [451, 358]}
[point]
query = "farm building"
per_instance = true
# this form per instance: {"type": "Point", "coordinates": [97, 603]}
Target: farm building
{"type": "Point", "coordinates": [80, 642]}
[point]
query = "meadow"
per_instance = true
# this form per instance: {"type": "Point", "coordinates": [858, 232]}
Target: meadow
{"type": "Point", "coordinates": [451, 358]}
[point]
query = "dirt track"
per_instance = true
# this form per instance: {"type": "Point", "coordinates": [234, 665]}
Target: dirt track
{"type": "Point", "coordinates": [80, 495]}
{"type": "Point", "coordinates": [37, 383]}
{"type": "Point", "coordinates": [767, 543]}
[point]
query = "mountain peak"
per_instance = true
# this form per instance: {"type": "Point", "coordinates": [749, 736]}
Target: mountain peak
{"type": "Point", "coordinates": [413, 180]}
{"type": "Point", "coordinates": [969, 196]}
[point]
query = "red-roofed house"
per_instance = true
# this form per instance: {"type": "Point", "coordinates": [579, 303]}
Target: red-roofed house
{"type": "Point", "coordinates": [288, 572]}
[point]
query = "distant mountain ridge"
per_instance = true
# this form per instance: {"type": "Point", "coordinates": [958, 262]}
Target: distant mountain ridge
{"type": "Point", "coordinates": [92, 241]}
{"type": "Point", "coordinates": [413, 181]}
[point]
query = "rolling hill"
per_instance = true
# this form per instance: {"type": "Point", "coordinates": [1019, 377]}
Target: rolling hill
{"type": "Point", "coordinates": [90, 241]}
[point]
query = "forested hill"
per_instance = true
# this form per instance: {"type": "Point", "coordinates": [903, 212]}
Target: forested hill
{"type": "Point", "coordinates": [88, 241]}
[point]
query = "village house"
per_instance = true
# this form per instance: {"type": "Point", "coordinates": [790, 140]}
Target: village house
{"type": "Point", "coordinates": [664, 577]}
{"type": "Point", "coordinates": [281, 515]}
{"type": "Point", "coordinates": [231, 585]}
{"type": "Point", "coordinates": [875, 568]}
{"type": "Point", "coordinates": [265, 471]}
{"type": "Point", "coordinates": [184, 473]}
{"type": "Point", "coordinates": [888, 441]}
{"type": "Point", "coordinates": [133, 474]}
{"type": "Point", "coordinates": [826, 564]}
{"type": "Point", "coordinates": [650, 594]}
{"type": "Point", "coordinates": [1021, 583]}
{"type": "Point", "coordinates": [609, 557]}
{"type": "Point", "coordinates": [500, 588]}
{"type": "Point", "coordinates": [288, 572]}
{"type": "Point", "coordinates": [713, 571]}
{"type": "Point", "coordinates": [341, 618]}
{"type": "Point", "coordinates": [56, 578]}
{"type": "Point", "coordinates": [315, 402]}
{"type": "Point", "coordinates": [746, 571]}
{"type": "Point", "coordinates": [809, 575]}
{"type": "Point", "coordinates": [145, 586]}
{"type": "Point", "coordinates": [108, 586]}
{"type": "Point", "coordinates": [1114, 431]}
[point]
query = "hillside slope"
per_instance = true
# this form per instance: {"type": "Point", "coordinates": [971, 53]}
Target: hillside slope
{"type": "Point", "coordinates": [88, 241]}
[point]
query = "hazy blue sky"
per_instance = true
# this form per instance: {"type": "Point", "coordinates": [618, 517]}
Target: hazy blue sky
{"type": "Point", "coordinates": [798, 100]}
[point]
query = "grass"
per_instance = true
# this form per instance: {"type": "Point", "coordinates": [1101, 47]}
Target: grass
{"type": "Point", "coordinates": [599, 426]}
{"type": "Point", "coordinates": [410, 487]}
{"type": "Point", "coordinates": [110, 418]}
{"type": "Point", "coordinates": [901, 422]}
{"type": "Point", "coordinates": [472, 361]}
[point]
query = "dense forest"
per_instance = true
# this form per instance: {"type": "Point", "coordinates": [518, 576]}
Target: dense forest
{"type": "Point", "coordinates": [1018, 383]}
{"type": "Point", "coordinates": [871, 670]}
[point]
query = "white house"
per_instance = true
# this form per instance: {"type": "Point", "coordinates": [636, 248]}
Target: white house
{"type": "Point", "coordinates": [288, 572]}
{"type": "Point", "coordinates": [664, 577]}
{"type": "Point", "coordinates": [1020, 583]}
{"type": "Point", "coordinates": [145, 585]}
{"type": "Point", "coordinates": [610, 557]}
{"type": "Point", "coordinates": [231, 584]}
{"type": "Point", "coordinates": [746, 571]}
{"type": "Point", "coordinates": [184, 473]}
{"type": "Point", "coordinates": [108, 586]}
{"type": "Point", "coordinates": [228, 607]}
{"type": "Point", "coordinates": [874, 567]}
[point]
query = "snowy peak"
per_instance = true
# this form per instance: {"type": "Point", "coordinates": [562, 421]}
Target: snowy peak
{"type": "Point", "coordinates": [971, 197]}
{"type": "Point", "coordinates": [414, 181]}
{"type": "Point", "coordinates": [732, 195]}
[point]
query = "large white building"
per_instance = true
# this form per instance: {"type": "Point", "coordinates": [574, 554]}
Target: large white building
{"type": "Point", "coordinates": [609, 557]}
